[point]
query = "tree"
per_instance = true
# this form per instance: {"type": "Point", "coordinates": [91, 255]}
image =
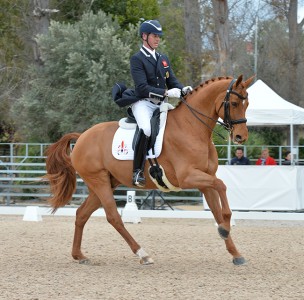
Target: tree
{"type": "Point", "coordinates": [72, 91]}
{"type": "Point", "coordinates": [174, 35]}
{"type": "Point", "coordinates": [182, 39]}
{"type": "Point", "coordinates": [294, 51]}
{"type": "Point", "coordinates": [12, 64]}
{"type": "Point", "coordinates": [40, 23]}
{"type": "Point", "coordinates": [126, 11]}
{"type": "Point", "coordinates": [193, 37]}
{"type": "Point", "coordinates": [224, 37]}
{"type": "Point", "coordinates": [281, 50]}
{"type": "Point", "coordinates": [182, 25]}
{"type": "Point", "coordinates": [289, 61]}
{"type": "Point", "coordinates": [221, 37]}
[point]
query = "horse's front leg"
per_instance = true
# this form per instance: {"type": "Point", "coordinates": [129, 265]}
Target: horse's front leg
{"type": "Point", "coordinates": [210, 184]}
{"type": "Point", "coordinates": [222, 216]}
{"type": "Point", "coordinates": [83, 213]}
{"type": "Point", "coordinates": [224, 226]}
{"type": "Point", "coordinates": [212, 198]}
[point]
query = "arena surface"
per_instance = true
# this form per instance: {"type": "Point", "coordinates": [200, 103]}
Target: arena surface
{"type": "Point", "coordinates": [191, 261]}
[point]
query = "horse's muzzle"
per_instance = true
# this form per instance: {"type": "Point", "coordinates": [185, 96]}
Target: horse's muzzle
{"type": "Point", "coordinates": [238, 139]}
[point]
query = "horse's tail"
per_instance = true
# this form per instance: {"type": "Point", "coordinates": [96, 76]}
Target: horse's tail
{"type": "Point", "coordinates": [60, 172]}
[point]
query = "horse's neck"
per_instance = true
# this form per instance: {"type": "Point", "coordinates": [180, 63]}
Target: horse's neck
{"type": "Point", "coordinates": [204, 98]}
{"type": "Point", "coordinates": [203, 102]}
{"type": "Point", "coordinates": [186, 124]}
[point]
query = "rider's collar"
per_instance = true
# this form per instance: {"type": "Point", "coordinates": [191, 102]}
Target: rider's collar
{"type": "Point", "coordinates": [152, 52]}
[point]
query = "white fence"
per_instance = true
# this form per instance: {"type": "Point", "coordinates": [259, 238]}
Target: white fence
{"type": "Point", "coordinates": [23, 165]}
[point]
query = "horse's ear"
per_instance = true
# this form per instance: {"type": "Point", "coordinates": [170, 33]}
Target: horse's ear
{"type": "Point", "coordinates": [239, 80]}
{"type": "Point", "coordinates": [249, 81]}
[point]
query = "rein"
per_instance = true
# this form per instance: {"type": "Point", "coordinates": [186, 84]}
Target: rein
{"type": "Point", "coordinates": [228, 123]}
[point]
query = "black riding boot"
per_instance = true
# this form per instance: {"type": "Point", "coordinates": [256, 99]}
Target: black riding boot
{"type": "Point", "coordinates": [140, 153]}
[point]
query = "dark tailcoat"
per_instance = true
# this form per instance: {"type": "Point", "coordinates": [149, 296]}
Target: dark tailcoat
{"type": "Point", "coordinates": [152, 76]}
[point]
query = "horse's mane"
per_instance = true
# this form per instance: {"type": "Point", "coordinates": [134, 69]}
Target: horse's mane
{"type": "Point", "coordinates": [204, 84]}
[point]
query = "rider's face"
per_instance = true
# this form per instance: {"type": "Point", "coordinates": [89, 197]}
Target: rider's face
{"type": "Point", "coordinates": [151, 40]}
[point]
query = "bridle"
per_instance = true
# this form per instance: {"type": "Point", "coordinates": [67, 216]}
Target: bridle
{"type": "Point", "coordinates": [227, 122]}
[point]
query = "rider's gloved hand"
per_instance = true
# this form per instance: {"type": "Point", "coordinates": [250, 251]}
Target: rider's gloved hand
{"type": "Point", "coordinates": [174, 93]}
{"type": "Point", "coordinates": [186, 90]}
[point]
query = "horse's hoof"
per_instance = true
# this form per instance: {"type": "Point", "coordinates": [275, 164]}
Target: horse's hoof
{"type": "Point", "coordinates": [147, 260]}
{"type": "Point", "coordinates": [237, 261]}
{"type": "Point", "coordinates": [223, 232]}
{"type": "Point", "coordinates": [85, 261]}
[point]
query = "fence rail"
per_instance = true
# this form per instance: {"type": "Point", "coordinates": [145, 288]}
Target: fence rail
{"type": "Point", "coordinates": [22, 166]}
{"type": "Point", "coordinates": [21, 181]}
{"type": "Point", "coordinates": [35, 152]}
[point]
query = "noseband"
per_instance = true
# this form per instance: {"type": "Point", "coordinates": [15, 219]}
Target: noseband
{"type": "Point", "coordinates": [227, 122]}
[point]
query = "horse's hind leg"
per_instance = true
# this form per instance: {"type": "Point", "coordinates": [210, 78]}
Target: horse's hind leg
{"type": "Point", "coordinates": [83, 213]}
{"type": "Point", "coordinates": [222, 215]}
{"type": "Point", "coordinates": [102, 188]}
{"type": "Point", "coordinates": [115, 220]}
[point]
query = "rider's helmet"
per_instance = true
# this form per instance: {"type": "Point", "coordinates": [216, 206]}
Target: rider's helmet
{"type": "Point", "coordinates": [150, 26]}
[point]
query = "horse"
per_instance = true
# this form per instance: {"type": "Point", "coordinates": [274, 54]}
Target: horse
{"type": "Point", "coordinates": [188, 157]}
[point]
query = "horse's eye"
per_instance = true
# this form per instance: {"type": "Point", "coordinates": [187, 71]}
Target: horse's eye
{"type": "Point", "coordinates": [234, 104]}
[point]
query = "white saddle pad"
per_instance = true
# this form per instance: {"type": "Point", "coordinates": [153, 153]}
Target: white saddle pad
{"type": "Point", "coordinates": [123, 138]}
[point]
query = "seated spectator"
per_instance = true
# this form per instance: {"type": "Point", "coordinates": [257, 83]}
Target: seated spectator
{"type": "Point", "coordinates": [239, 158]}
{"type": "Point", "coordinates": [265, 159]}
{"type": "Point", "coordinates": [287, 159]}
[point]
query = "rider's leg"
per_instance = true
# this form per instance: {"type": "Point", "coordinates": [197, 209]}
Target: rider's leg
{"type": "Point", "coordinates": [142, 111]}
{"type": "Point", "coordinates": [140, 153]}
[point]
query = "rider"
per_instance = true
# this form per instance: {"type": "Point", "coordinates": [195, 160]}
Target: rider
{"type": "Point", "coordinates": [154, 82]}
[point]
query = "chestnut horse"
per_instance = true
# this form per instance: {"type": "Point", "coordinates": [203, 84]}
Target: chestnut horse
{"type": "Point", "coordinates": [188, 157]}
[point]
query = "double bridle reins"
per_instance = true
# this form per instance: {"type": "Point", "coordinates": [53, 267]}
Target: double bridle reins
{"type": "Point", "coordinates": [227, 122]}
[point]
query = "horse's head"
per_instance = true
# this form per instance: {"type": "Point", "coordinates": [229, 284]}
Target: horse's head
{"type": "Point", "coordinates": [232, 109]}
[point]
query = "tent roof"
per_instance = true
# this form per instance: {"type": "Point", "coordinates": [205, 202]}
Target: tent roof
{"type": "Point", "coordinates": [267, 108]}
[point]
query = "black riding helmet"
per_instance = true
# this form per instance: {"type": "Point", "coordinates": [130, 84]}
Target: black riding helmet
{"type": "Point", "coordinates": [150, 26]}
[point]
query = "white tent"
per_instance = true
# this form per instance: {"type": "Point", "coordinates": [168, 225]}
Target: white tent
{"type": "Point", "coordinates": [267, 108]}
{"type": "Point", "coordinates": [281, 187]}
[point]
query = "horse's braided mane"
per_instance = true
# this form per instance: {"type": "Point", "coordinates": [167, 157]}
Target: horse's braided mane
{"type": "Point", "coordinates": [203, 84]}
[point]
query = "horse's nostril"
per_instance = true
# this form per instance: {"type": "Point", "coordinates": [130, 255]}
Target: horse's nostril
{"type": "Point", "coordinates": [238, 138]}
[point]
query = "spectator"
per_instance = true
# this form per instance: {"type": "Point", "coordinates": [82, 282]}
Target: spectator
{"type": "Point", "coordinates": [239, 158]}
{"type": "Point", "coordinates": [287, 160]}
{"type": "Point", "coordinates": [265, 159]}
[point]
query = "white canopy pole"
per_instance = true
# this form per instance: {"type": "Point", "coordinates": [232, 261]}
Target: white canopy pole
{"type": "Point", "coordinates": [291, 144]}
{"type": "Point", "coordinates": [229, 149]}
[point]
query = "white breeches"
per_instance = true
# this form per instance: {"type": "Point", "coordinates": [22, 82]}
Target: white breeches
{"type": "Point", "coordinates": [143, 111]}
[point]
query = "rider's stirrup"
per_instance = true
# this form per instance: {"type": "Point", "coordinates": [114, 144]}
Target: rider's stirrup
{"type": "Point", "coordinates": [139, 179]}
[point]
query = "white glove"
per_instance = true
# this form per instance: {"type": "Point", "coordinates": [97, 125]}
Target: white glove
{"type": "Point", "coordinates": [174, 93]}
{"type": "Point", "coordinates": [186, 90]}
